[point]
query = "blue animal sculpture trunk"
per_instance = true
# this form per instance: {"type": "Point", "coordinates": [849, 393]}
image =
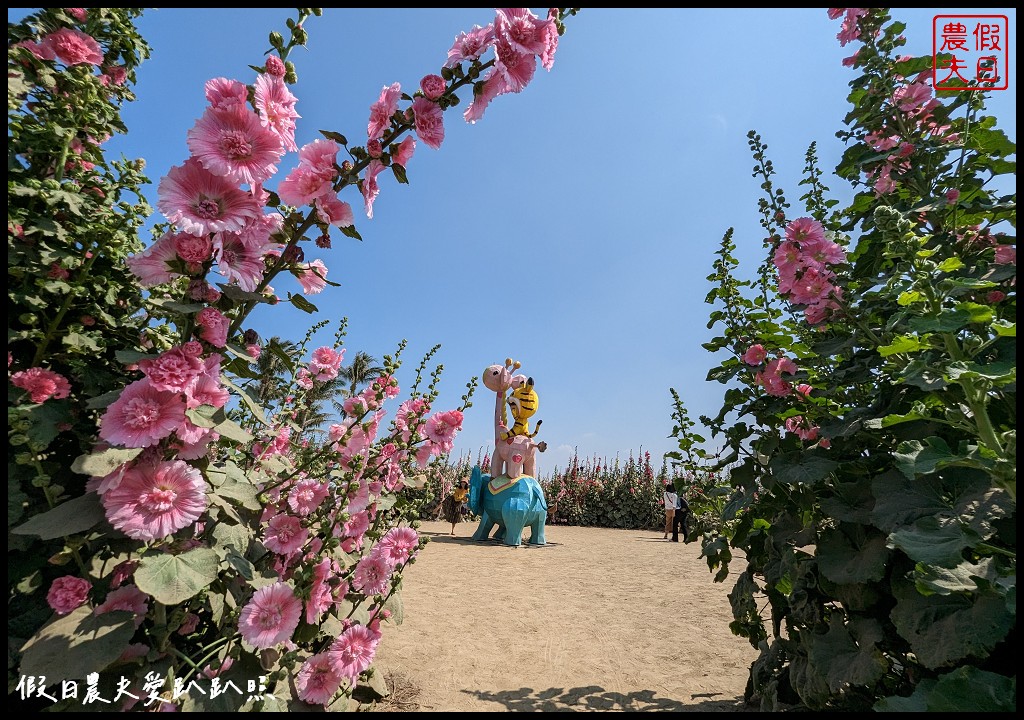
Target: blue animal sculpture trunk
{"type": "Point", "coordinates": [516, 505]}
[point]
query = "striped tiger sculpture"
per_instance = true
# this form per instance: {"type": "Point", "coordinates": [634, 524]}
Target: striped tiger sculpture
{"type": "Point", "coordinates": [514, 449]}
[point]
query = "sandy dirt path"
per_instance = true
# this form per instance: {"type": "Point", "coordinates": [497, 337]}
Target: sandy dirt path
{"type": "Point", "coordinates": [598, 619]}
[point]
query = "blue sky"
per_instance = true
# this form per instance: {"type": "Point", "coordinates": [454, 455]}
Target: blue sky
{"type": "Point", "coordinates": [573, 227]}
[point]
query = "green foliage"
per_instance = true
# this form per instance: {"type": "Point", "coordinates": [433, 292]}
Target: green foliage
{"type": "Point", "coordinates": [872, 495]}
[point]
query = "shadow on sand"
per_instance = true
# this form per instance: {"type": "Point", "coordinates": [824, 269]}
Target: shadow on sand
{"type": "Point", "coordinates": [594, 698]}
{"type": "Point", "coordinates": [443, 537]}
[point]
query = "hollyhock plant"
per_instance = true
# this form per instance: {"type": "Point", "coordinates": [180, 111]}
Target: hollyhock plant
{"type": "Point", "coordinates": [153, 501]}
{"type": "Point", "coordinates": [41, 384]}
{"type": "Point", "coordinates": [318, 679]}
{"type": "Point", "coordinates": [399, 545]}
{"type": "Point", "coordinates": [433, 86]}
{"type": "Point", "coordinates": [270, 617]}
{"type": "Point", "coordinates": [403, 153]}
{"type": "Point", "coordinates": [353, 651]}
{"type": "Point", "coordinates": [276, 106]}
{"type": "Point", "coordinates": [429, 122]}
{"type": "Point", "coordinates": [471, 45]}
{"type": "Point", "coordinates": [73, 47]}
{"type": "Point", "coordinates": [200, 202]}
{"type": "Point", "coordinates": [174, 370]}
{"type": "Point", "coordinates": [285, 535]}
{"type": "Point", "coordinates": [214, 326]}
{"type": "Point", "coordinates": [382, 110]}
{"type": "Point", "coordinates": [306, 496]}
{"type": "Point", "coordinates": [373, 574]}
{"type": "Point", "coordinates": [127, 598]}
{"type": "Point", "coordinates": [755, 355]}
{"type": "Point", "coordinates": [224, 93]}
{"type": "Point", "coordinates": [67, 593]}
{"type": "Point", "coordinates": [313, 277]}
{"type": "Point", "coordinates": [142, 416]}
{"type": "Point", "coordinates": [151, 265]}
{"type": "Point", "coordinates": [232, 143]}
{"type": "Point", "coordinates": [370, 187]}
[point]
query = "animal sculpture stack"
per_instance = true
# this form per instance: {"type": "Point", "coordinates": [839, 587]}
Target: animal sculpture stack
{"type": "Point", "coordinates": [510, 497]}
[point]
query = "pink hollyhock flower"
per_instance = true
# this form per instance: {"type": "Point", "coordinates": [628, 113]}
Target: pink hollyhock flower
{"type": "Point", "coordinates": [142, 416]}
{"type": "Point", "coordinates": [114, 75]}
{"type": "Point", "coordinates": [270, 617]}
{"type": "Point", "coordinates": [67, 593]}
{"type": "Point", "coordinates": [173, 370]}
{"type": "Point", "coordinates": [302, 186]}
{"type": "Point", "coordinates": [74, 47]}
{"type": "Point", "coordinates": [320, 595]}
{"type": "Point", "coordinates": [471, 45]}
{"type": "Point", "coordinates": [353, 651]}
{"type": "Point", "coordinates": [39, 50]}
{"type": "Point", "coordinates": [333, 211]}
{"type": "Point", "coordinates": [403, 153]}
{"type": "Point", "coordinates": [210, 672]}
{"type": "Point", "coordinates": [254, 351]}
{"type": "Point", "coordinates": [276, 106]}
{"type": "Point", "coordinates": [952, 195]}
{"type": "Point", "coordinates": [804, 230]}
{"type": "Point", "coordinates": [372, 575]}
{"type": "Point", "coordinates": [357, 524]}
{"type": "Point", "coordinates": [382, 110]}
{"type": "Point", "coordinates": [285, 535]}
{"type": "Point", "coordinates": [200, 202]}
{"type": "Point", "coordinates": [193, 248]}
{"type": "Point", "coordinates": [492, 88]}
{"type": "Point", "coordinates": [515, 66]}
{"type": "Point", "coordinates": [995, 296]}
{"type": "Point", "coordinates": [804, 390]}
{"type": "Point", "coordinates": [232, 143]}
{"type": "Point", "coordinates": [441, 427]}
{"type": "Point", "coordinates": [275, 67]}
{"type": "Point", "coordinates": [799, 426]}
{"type": "Point", "coordinates": [550, 34]}
{"type": "Point", "coordinates": [1006, 255]}
{"type": "Point", "coordinates": [214, 326]}
{"type": "Point", "coordinates": [370, 187]}
{"type": "Point", "coordinates": [306, 496]}
{"type": "Point", "coordinates": [755, 355]}
{"type": "Point", "coordinates": [41, 384]}
{"type": "Point", "coordinates": [223, 93]}
{"type": "Point", "coordinates": [128, 598]}
{"type": "Point", "coordinates": [912, 97]}
{"type": "Point", "coordinates": [849, 30]}
{"type": "Point", "coordinates": [239, 262]}
{"type": "Point", "coordinates": [521, 29]}
{"type": "Point", "coordinates": [433, 86]}
{"type": "Point", "coordinates": [399, 545]}
{"type": "Point", "coordinates": [852, 59]}
{"type": "Point", "coordinates": [834, 13]}
{"type": "Point", "coordinates": [326, 362]}
{"type": "Point", "coordinates": [303, 379]}
{"type": "Point", "coordinates": [313, 277]}
{"type": "Point", "coordinates": [320, 156]}
{"type": "Point", "coordinates": [429, 122]}
{"type": "Point", "coordinates": [318, 680]}
{"type": "Point", "coordinates": [206, 390]}
{"type": "Point", "coordinates": [154, 501]}
{"type": "Point", "coordinates": [188, 624]}
{"type": "Point", "coordinates": [822, 252]}
{"type": "Point", "coordinates": [151, 265]}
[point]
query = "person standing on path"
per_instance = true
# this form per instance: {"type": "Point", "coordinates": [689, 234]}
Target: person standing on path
{"type": "Point", "coordinates": [670, 499]}
{"type": "Point", "coordinates": [681, 518]}
{"type": "Point", "coordinates": [455, 506]}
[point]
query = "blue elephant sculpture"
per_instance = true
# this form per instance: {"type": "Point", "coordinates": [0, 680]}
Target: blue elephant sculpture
{"type": "Point", "coordinates": [510, 504]}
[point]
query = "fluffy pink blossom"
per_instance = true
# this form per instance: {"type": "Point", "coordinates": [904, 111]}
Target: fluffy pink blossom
{"type": "Point", "coordinates": [521, 29]}
{"type": "Point", "coordinates": [207, 390]}
{"type": "Point", "coordinates": [318, 680]}
{"type": "Point", "coordinates": [200, 202]}
{"type": "Point", "coordinates": [382, 110]}
{"type": "Point", "coordinates": [41, 384]}
{"type": "Point", "coordinates": [39, 50]}
{"type": "Point", "coordinates": [320, 156]}
{"type": "Point", "coordinates": [1006, 255]}
{"type": "Point", "coordinates": [822, 252]}
{"type": "Point", "coordinates": [275, 67]}
{"type": "Point", "coordinates": [142, 416]}
{"type": "Point", "coordinates": [214, 326]}
{"type": "Point", "coordinates": [238, 261]}
{"type": "Point", "coordinates": [77, 13]}
{"type": "Point", "coordinates": [306, 496]}
{"type": "Point", "coordinates": [804, 430]}
{"type": "Point", "coordinates": [254, 351]}
{"type": "Point", "coordinates": [67, 593]}
{"type": "Point", "coordinates": [353, 651]}
{"type": "Point", "coordinates": [154, 501]}
{"type": "Point", "coordinates": [270, 617]}
{"type": "Point", "coordinates": [357, 525]}
{"type": "Point", "coordinates": [276, 106]}
{"type": "Point", "coordinates": [471, 45]}
{"type": "Point", "coordinates": [74, 47]}
{"type": "Point", "coordinates": [302, 186]}
{"type": "Point", "coordinates": [333, 211]}
{"type": "Point", "coordinates": [398, 545]}
{"type": "Point", "coordinates": [151, 265]}
{"type": "Point", "coordinates": [313, 277]}
{"type": "Point", "coordinates": [173, 370]}
{"type": "Point", "coordinates": [771, 377]}
{"type": "Point", "coordinates": [952, 195]}
{"type": "Point", "coordinates": [370, 187]}
{"type": "Point", "coordinates": [433, 86]}
{"type": "Point", "coordinates": [223, 93]}
{"type": "Point", "coordinates": [441, 428]}
{"type": "Point", "coordinates": [550, 34]}
{"type": "Point", "coordinates": [515, 66]}
{"type": "Point", "coordinates": [403, 153]}
{"type": "Point", "coordinates": [372, 575]}
{"type": "Point", "coordinates": [232, 143]}
{"type": "Point", "coordinates": [326, 362]}
{"type": "Point", "coordinates": [285, 535]}
{"type": "Point", "coordinates": [127, 598]}
{"type": "Point", "coordinates": [849, 30]}
{"type": "Point", "coordinates": [429, 122]}
{"type": "Point", "coordinates": [492, 88]}
{"type": "Point", "coordinates": [804, 229]}
{"type": "Point", "coordinates": [755, 355]}
{"type": "Point", "coordinates": [193, 248]}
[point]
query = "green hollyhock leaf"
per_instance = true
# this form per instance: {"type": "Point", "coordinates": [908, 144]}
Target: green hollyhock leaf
{"type": "Point", "coordinates": [172, 579]}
